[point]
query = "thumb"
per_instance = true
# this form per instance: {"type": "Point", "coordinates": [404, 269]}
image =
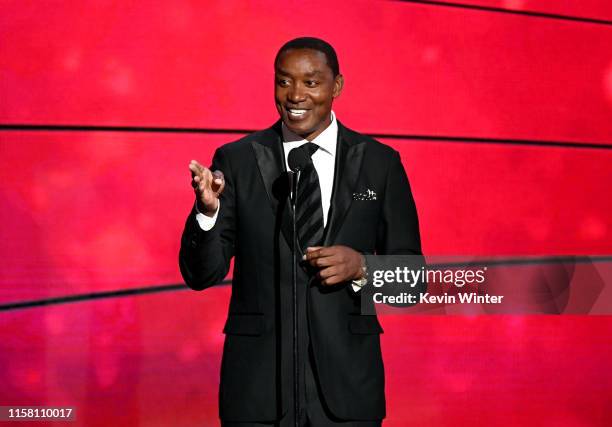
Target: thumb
{"type": "Point", "coordinates": [218, 182]}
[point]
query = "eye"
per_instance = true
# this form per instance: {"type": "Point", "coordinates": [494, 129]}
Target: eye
{"type": "Point", "coordinates": [311, 83]}
{"type": "Point", "coordinates": [282, 82]}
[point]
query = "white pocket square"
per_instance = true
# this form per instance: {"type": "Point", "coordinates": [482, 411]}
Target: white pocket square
{"type": "Point", "coordinates": [366, 195]}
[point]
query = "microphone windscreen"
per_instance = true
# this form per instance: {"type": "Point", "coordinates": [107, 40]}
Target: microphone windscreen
{"type": "Point", "coordinates": [298, 159]}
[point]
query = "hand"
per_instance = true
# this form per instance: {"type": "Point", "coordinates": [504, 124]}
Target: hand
{"type": "Point", "coordinates": [207, 186]}
{"type": "Point", "coordinates": [337, 264]}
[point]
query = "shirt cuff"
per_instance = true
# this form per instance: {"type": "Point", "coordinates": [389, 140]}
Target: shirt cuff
{"type": "Point", "coordinates": [206, 222]}
{"type": "Point", "coordinates": [356, 288]}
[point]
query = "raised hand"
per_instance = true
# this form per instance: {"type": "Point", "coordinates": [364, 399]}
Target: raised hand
{"type": "Point", "coordinates": [208, 186]}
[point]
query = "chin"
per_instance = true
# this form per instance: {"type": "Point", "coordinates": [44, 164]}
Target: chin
{"type": "Point", "coordinates": [299, 130]}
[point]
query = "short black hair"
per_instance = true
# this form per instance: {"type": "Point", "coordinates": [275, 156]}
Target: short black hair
{"type": "Point", "coordinates": [314, 44]}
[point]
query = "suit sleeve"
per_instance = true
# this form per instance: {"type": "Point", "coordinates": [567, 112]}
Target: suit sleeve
{"type": "Point", "coordinates": [398, 230]}
{"type": "Point", "coordinates": [204, 258]}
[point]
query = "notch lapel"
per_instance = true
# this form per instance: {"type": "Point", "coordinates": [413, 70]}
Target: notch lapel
{"type": "Point", "coordinates": [349, 161]}
{"type": "Point", "coordinates": [271, 163]}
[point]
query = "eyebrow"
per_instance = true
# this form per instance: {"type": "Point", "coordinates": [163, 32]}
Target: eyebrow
{"type": "Point", "coordinates": [286, 73]}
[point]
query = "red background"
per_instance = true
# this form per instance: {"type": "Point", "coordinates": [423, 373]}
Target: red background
{"type": "Point", "coordinates": [528, 97]}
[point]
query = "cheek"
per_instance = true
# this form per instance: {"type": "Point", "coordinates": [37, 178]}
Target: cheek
{"type": "Point", "coordinates": [322, 106]}
{"type": "Point", "coordinates": [279, 94]}
{"type": "Point", "coordinates": [322, 97]}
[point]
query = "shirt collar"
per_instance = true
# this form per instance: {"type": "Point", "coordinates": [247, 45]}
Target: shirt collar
{"type": "Point", "coordinates": [326, 140]}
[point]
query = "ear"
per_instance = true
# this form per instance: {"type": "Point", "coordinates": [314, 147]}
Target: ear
{"type": "Point", "coordinates": [338, 85]}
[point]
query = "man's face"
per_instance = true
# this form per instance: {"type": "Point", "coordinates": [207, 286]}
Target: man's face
{"type": "Point", "coordinates": [304, 90]}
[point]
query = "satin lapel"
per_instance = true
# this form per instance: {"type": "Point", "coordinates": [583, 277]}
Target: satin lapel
{"type": "Point", "coordinates": [271, 162]}
{"type": "Point", "coordinates": [349, 158]}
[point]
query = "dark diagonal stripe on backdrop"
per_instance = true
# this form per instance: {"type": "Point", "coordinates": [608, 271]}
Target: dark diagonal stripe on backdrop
{"type": "Point", "coordinates": [502, 141]}
{"type": "Point", "coordinates": [96, 295]}
{"type": "Point", "coordinates": [512, 11]}
{"type": "Point", "coordinates": [182, 287]}
{"type": "Point", "coordinates": [135, 129]}
{"type": "Point", "coordinates": [411, 137]}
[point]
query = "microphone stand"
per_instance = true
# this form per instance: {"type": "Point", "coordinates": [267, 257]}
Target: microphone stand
{"type": "Point", "coordinates": [294, 178]}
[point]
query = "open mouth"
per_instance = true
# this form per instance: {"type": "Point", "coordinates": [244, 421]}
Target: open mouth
{"type": "Point", "coordinates": [296, 113]}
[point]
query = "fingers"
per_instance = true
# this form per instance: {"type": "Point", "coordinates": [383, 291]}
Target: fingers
{"type": "Point", "coordinates": [218, 182]}
{"type": "Point", "coordinates": [201, 176]}
{"type": "Point", "coordinates": [203, 181]}
{"type": "Point", "coordinates": [325, 261]}
{"type": "Point", "coordinates": [196, 168]}
{"type": "Point", "coordinates": [315, 252]}
{"type": "Point", "coordinates": [207, 186]}
{"type": "Point", "coordinates": [329, 276]}
{"type": "Point", "coordinates": [327, 272]}
{"type": "Point", "coordinates": [336, 264]}
{"type": "Point", "coordinates": [319, 256]}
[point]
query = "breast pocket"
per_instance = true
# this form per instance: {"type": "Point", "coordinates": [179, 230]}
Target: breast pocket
{"type": "Point", "coordinates": [366, 210]}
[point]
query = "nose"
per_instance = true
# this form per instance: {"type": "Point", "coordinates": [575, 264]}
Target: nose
{"type": "Point", "coordinates": [296, 94]}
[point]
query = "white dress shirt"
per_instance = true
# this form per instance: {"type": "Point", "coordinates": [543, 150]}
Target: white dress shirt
{"type": "Point", "coordinates": [324, 159]}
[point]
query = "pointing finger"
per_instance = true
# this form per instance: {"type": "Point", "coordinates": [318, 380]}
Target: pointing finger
{"type": "Point", "coordinates": [318, 252]}
{"type": "Point", "coordinates": [312, 252]}
{"type": "Point", "coordinates": [196, 167]}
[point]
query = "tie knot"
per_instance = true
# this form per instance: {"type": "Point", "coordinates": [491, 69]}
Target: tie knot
{"type": "Point", "coordinates": [310, 148]}
{"type": "Point", "coordinates": [301, 157]}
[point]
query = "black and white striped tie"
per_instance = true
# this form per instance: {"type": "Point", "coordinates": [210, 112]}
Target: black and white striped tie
{"type": "Point", "coordinates": [309, 208]}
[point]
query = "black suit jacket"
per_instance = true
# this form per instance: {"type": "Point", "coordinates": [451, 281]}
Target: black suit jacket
{"type": "Point", "coordinates": [254, 227]}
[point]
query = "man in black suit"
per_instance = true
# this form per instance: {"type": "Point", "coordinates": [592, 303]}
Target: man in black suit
{"type": "Point", "coordinates": [353, 199]}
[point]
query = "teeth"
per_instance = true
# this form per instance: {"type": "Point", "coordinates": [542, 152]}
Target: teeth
{"type": "Point", "coordinates": [297, 112]}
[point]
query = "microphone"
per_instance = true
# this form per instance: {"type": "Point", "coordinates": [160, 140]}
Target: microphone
{"type": "Point", "coordinates": [298, 160]}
